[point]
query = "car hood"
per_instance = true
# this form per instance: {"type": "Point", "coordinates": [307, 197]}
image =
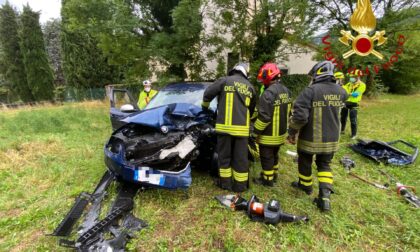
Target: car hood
{"type": "Point", "coordinates": [163, 115]}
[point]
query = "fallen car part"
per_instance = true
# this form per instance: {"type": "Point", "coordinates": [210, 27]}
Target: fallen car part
{"type": "Point", "coordinates": [66, 225]}
{"type": "Point", "coordinates": [347, 163]}
{"type": "Point", "coordinates": [386, 152]}
{"type": "Point", "coordinates": [94, 233]}
{"type": "Point", "coordinates": [377, 185]}
{"type": "Point", "coordinates": [404, 191]}
{"type": "Point", "coordinates": [269, 213]}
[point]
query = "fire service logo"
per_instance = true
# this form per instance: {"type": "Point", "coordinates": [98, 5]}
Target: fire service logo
{"type": "Point", "coordinates": [363, 21]}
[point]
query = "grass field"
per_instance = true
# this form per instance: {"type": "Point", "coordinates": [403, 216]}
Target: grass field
{"type": "Point", "coordinates": [48, 155]}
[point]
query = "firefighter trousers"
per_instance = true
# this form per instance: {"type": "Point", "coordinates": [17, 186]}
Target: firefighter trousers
{"type": "Point", "coordinates": [233, 161]}
{"type": "Point", "coordinates": [269, 156]}
{"type": "Point", "coordinates": [349, 110]}
{"type": "Point", "coordinates": [322, 161]}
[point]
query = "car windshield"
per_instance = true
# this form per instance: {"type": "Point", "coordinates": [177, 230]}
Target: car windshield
{"type": "Point", "coordinates": [170, 96]}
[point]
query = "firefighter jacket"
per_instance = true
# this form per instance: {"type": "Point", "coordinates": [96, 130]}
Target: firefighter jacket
{"type": "Point", "coordinates": [236, 102]}
{"type": "Point", "coordinates": [358, 87]}
{"type": "Point", "coordinates": [273, 113]}
{"type": "Point", "coordinates": [315, 116]}
{"type": "Point", "coordinates": [145, 97]}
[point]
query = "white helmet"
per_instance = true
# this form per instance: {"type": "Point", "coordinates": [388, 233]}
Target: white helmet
{"type": "Point", "coordinates": [241, 67]}
{"type": "Point", "coordinates": [147, 83]}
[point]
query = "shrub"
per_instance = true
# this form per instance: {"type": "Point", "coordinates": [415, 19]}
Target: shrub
{"type": "Point", "coordinates": [296, 83]}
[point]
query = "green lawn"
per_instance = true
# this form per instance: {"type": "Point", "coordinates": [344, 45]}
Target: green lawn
{"type": "Point", "coordinates": [49, 155]}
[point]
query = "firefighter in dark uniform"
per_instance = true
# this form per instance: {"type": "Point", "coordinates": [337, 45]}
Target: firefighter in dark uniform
{"type": "Point", "coordinates": [236, 102]}
{"type": "Point", "coordinates": [270, 128]}
{"type": "Point", "coordinates": [316, 118]}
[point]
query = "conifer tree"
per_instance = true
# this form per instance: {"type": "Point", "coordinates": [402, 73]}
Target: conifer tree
{"type": "Point", "coordinates": [13, 69]}
{"type": "Point", "coordinates": [38, 71]}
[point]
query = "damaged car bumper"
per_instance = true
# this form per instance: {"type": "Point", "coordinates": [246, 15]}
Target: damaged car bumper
{"type": "Point", "coordinates": [146, 175]}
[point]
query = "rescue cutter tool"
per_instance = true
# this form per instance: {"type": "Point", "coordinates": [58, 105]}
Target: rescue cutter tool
{"type": "Point", "coordinates": [404, 191]}
{"type": "Point", "coordinates": [269, 213]}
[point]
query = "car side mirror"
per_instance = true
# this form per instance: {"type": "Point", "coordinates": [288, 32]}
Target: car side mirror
{"type": "Point", "coordinates": [127, 108]}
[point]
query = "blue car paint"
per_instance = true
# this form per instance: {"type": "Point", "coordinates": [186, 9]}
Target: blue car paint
{"type": "Point", "coordinates": [158, 117]}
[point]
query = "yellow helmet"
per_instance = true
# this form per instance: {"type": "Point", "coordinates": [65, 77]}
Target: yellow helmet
{"type": "Point", "coordinates": [338, 75]}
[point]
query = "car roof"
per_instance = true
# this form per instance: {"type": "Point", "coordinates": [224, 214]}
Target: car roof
{"type": "Point", "coordinates": [187, 85]}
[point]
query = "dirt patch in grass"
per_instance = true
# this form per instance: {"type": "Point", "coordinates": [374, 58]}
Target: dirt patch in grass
{"type": "Point", "coordinates": [28, 241]}
{"type": "Point", "coordinates": [26, 153]}
{"type": "Point", "coordinates": [10, 213]}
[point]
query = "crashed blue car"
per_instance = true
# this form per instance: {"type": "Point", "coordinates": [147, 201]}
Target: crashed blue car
{"type": "Point", "coordinates": [159, 145]}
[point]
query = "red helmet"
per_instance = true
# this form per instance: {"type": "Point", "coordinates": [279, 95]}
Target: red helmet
{"type": "Point", "coordinates": [268, 72]}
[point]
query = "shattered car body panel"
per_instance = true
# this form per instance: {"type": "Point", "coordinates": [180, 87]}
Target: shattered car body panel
{"type": "Point", "coordinates": [159, 145]}
{"type": "Point", "coordinates": [386, 153]}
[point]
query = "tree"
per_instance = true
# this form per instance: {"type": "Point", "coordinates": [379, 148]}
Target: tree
{"type": "Point", "coordinates": [38, 71]}
{"type": "Point", "coordinates": [13, 68]}
{"type": "Point", "coordinates": [51, 30]}
{"type": "Point", "coordinates": [180, 47]}
{"type": "Point", "coordinates": [141, 35]}
{"type": "Point", "coordinates": [84, 63]}
{"type": "Point", "coordinates": [257, 29]}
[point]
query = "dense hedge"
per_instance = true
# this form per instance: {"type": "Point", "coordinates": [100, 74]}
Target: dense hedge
{"type": "Point", "coordinates": [296, 83]}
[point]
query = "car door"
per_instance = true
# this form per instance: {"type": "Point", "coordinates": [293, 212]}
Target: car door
{"type": "Point", "coordinates": [122, 105]}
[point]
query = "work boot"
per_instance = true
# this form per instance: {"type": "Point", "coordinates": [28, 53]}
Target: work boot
{"type": "Point", "coordinates": [264, 182]}
{"type": "Point", "coordinates": [275, 178]}
{"type": "Point", "coordinates": [239, 187]}
{"type": "Point", "coordinates": [307, 189]}
{"type": "Point", "coordinates": [225, 184]}
{"type": "Point", "coordinates": [323, 200]}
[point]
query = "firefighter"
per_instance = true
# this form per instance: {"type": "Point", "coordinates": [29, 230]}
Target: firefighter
{"type": "Point", "coordinates": [146, 95]}
{"type": "Point", "coordinates": [339, 77]}
{"type": "Point", "coordinates": [270, 128]}
{"type": "Point", "coordinates": [315, 117]}
{"type": "Point", "coordinates": [236, 102]}
{"type": "Point", "coordinates": [355, 89]}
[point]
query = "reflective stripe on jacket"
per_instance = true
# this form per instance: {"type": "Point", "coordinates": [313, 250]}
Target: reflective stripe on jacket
{"type": "Point", "coordinates": [236, 102]}
{"type": "Point", "coordinates": [145, 97]}
{"type": "Point", "coordinates": [316, 117]}
{"type": "Point", "coordinates": [358, 87]}
{"type": "Point", "coordinates": [273, 112]}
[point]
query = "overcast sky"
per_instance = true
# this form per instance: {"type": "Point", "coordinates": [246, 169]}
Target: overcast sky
{"type": "Point", "coordinates": [47, 8]}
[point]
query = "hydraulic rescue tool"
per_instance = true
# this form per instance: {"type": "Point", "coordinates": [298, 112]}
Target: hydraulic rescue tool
{"type": "Point", "coordinates": [269, 213]}
{"type": "Point", "coordinates": [377, 185]}
{"type": "Point", "coordinates": [350, 164]}
{"type": "Point", "coordinates": [404, 190]}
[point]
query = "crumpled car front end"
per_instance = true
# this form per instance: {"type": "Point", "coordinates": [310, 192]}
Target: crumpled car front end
{"type": "Point", "coordinates": [156, 147]}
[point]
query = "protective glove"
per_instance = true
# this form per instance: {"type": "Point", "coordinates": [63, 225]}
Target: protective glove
{"type": "Point", "coordinates": [254, 135]}
{"type": "Point", "coordinates": [355, 94]}
{"type": "Point", "coordinates": [205, 106]}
